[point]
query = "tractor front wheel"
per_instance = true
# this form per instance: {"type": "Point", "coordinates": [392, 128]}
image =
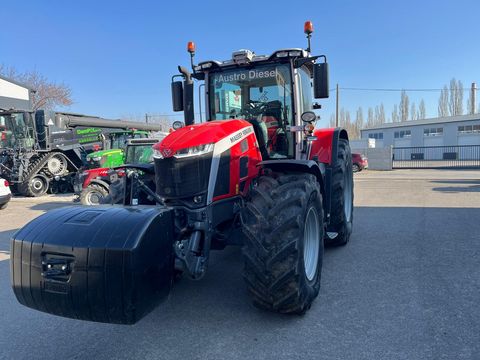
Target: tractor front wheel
{"type": "Point", "coordinates": [283, 251]}
{"type": "Point", "coordinates": [93, 194]}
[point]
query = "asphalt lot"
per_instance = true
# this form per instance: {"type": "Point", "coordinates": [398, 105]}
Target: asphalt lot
{"type": "Point", "coordinates": [407, 286]}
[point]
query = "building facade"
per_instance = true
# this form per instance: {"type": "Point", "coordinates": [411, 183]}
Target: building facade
{"type": "Point", "coordinates": [14, 95]}
{"type": "Point", "coordinates": [448, 131]}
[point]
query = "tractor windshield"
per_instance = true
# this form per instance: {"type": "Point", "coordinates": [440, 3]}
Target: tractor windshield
{"type": "Point", "coordinates": [16, 130]}
{"type": "Point", "coordinates": [261, 95]}
{"type": "Point", "coordinates": [139, 154]}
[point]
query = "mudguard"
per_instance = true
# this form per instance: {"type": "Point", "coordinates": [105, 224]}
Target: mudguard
{"type": "Point", "coordinates": [105, 264]}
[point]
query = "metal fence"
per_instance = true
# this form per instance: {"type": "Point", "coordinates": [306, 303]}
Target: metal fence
{"type": "Point", "coordinates": [437, 157]}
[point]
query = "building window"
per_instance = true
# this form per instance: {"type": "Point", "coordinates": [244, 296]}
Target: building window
{"type": "Point", "coordinates": [469, 129]}
{"type": "Point", "coordinates": [377, 136]}
{"type": "Point", "coordinates": [433, 132]}
{"type": "Point", "coordinates": [403, 134]}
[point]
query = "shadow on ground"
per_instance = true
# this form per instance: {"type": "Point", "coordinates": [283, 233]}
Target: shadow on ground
{"type": "Point", "coordinates": [406, 286]}
{"type": "Point", "coordinates": [46, 206]}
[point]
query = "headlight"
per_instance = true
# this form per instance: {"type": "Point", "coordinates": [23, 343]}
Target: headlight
{"type": "Point", "coordinates": [97, 158]}
{"type": "Point", "coordinates": [194, 151]}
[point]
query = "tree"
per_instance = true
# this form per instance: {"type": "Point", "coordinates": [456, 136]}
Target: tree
{"type": "Point", "coordinates": [395, 116]}
{"type": "Point", "coordinates": [443, 103]}
{"type": "Point", "coordinates": [332, 120]}
{"type": "Point", "coordinates": [359, 118]}
{"type": "Point", "coordinates": [404, 104]}
{"type": "Point", "coordinates": [470, 110]}
{"type": "Point", "coordinates": [377, 115]}
{"type": "Point", "coordinates": [421, 110]}
{"type": "Point", "coordinates": [370, 118]}
{"type": "Point", "coordinates": [455, 104]}
{"type": "Point", "coordinates": [382, 117]}
{"type": "Point", "coordinates": [47, 95]}
{"type": "Point", "coordinates": [413, 112]}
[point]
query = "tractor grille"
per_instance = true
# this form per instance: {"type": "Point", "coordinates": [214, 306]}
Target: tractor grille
{"type": "Point", "coordinates": [184, 177]}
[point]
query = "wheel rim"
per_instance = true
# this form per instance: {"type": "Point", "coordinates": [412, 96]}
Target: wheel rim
{"type": "Point", "coordinates": [311, 244]}
{"type": "Point", "coordinates": [347, 195]}
{"type": "Point", "coordinates": [57, 165]}
{"type": "Point", "coordinates": [38, 185]}
{"type": "Point", "coordinates": [94, 197]}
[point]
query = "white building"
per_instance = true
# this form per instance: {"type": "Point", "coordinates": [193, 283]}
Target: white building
{"type": "Point", "coordinates": [14, 95]}
{"type": "Point", "coordinates": [447, 131]}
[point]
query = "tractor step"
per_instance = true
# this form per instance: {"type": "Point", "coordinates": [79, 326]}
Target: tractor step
{"type": "Point", "coordinates": [107, 264]}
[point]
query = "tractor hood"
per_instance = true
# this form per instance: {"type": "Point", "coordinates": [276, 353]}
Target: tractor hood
{"type": "Point", "coordinates": [102, 153]}
{"type": "Point", "coordinates": [206, 133]}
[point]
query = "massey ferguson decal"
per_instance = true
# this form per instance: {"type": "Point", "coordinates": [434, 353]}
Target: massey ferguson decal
{"type": "Point", "coordinates": [241, 134]}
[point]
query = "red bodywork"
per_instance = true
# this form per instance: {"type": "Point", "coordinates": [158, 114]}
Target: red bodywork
{"type": "Point", "coordinates": [322, 147]}
{"type": "Point", "coordinates": [237, 136]}
{"type": "Point", "coordinates": [99, 173]}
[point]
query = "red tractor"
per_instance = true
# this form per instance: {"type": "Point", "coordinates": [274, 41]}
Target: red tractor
{"type": "Point", "coordinates": [232, 180]}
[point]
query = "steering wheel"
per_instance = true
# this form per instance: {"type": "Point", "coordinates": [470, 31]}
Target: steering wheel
{"type": "Point", "coordinates": [254, 109]}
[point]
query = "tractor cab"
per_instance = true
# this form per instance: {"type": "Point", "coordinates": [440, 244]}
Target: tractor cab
{"type": "Point", "coordinates": [272, 92]}
{"type": "Point", "coordinates": [113, 153]}
{"type": "Point", "coordinates": [16, 130]}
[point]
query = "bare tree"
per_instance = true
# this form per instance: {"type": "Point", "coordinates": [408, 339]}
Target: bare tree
{"type": "Point", "coordinates": [332, 120]}
{"type": "Point", "coordinates": [381, 116]}
{"type": "Point", "coordinates": [370, 118]}
{"type": "Point", "coordinates": [377, 115]}
{"type": "Point", "coordinates": [404, 104]}
{"type": "Point", "coordinates": [395, 116]}
{"type": "Point", "coordinates": [421, 110]}
{"type": "Point", "coordinates": [443, 103]}
{"type": "Point", "coordinates": [359, 120]}
{"type": "Point", "coordinates": [47, 95]}
{"type": "Point", "coordinates": [455, 103]}
{"type": "Point", "coordinates": [470, 110]}
{"type": "Point", "coordinates": [413, 112]}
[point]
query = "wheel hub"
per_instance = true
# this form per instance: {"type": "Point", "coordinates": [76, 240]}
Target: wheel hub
{"type": "Point", "coordinates": [311, 244]}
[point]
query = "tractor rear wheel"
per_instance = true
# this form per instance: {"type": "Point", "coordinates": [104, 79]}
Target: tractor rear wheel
{"type": "Point", "coordinates": [283, 251]}
{"type": "Point", "coordinates": [93, 194]}
{"type": "Point", "coordinates": [341, 217]}
{"type": "Point", "coordinates": [36, 186]}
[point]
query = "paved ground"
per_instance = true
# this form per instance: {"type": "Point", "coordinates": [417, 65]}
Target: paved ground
{"type": "Point", "coordinates": [406, 287]}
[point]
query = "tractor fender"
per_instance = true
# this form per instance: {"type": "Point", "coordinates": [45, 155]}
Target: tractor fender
{"type": "Point", "coordinates": [305, 166]}
{"type": "Point", "coordinates": [310, 166]}
{"type": "Point", "coordinates": [325, 148]}
{"type": "Point", "coordinates": [103, 183]}
{"type": "Point", "coordinates": [106, 264]}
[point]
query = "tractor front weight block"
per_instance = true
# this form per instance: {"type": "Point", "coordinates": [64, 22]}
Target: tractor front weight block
{"type": "Point", "coordinates": [104, 264]}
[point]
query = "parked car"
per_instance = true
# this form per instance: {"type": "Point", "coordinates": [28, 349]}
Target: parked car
{"type": "Point", "coordinates": [5, 194]}
{"type": "Point", "coordinates": [360, 162]}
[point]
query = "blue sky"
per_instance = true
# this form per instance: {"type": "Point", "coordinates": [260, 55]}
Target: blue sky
{"type": "Point", "coordinates": [119, 56]}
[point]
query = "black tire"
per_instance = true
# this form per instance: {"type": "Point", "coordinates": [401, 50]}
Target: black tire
{"type": "Point", "coordinates": [3, 206]}
{"type": "Point", "coordinates": [341, 217]}
{"type": "Point", "coordinates": [93, 194]}
{"type": "Point", "coordinates": [356, 168]}
{"type": "Point", "coordinates": [36, 186]}
{"type": "Point", "coordinates": [116, 193]}
{"type": "Point", "coordinates": [274, 226]}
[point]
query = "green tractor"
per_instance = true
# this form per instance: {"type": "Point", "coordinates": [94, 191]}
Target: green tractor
{"type": "Point", "coordinates": [114, 153]}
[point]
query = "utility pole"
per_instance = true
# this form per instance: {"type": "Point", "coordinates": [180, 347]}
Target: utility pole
{"type": "Point", "coordinates": [336, 109]}
{"type": "Point", "coordinates": [146, 118]}
{"type": "Point", "coordinates": [473, 98]}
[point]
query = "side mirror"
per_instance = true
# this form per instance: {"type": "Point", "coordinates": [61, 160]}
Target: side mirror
{"type": "Point", "coordinates": [177, 125]}
{"type": "Point", "coordinates": [320, 81]}
{"type": "Point", "coordinates": [177, 95]}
